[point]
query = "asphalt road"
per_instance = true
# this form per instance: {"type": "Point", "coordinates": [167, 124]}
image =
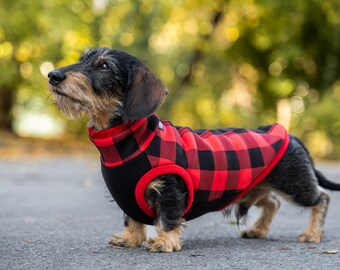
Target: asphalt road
{"type": "Point", "coordinates": [57, 214]}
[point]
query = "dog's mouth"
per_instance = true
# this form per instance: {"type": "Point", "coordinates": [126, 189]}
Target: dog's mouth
{"type": "Point", "coordinates": [58, 93]}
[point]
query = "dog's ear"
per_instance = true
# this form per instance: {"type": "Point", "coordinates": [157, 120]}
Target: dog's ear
{"type": "Point", "coordinates": [144, 95]}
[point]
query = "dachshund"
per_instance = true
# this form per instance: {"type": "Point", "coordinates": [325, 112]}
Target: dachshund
{"type": "Point", "coordinates": [164, 175]}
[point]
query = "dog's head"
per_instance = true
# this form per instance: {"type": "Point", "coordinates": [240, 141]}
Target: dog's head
{"type": "Point", "coordinates": [107, 85]}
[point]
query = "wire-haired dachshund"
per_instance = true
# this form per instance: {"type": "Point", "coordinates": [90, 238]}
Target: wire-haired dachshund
{"type": "Point", "coordinates": [163, 175]}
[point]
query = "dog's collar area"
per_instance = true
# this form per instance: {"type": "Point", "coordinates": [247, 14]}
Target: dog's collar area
{"type": "Point", "coordinates": [123, 142]}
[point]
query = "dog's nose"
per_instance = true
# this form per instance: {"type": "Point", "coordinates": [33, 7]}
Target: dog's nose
{"type": "Point", "coordinates": [56, 77]}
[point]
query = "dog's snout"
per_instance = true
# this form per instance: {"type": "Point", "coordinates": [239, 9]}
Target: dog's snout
{"type": "Point", "coordinates": [56, 77]}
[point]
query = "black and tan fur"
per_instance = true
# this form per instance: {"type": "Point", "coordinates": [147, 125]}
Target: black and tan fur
{"type": "Point", "coordinates": [112, 87]}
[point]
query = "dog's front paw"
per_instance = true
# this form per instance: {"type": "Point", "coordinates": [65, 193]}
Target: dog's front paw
{"type": "Point", "coordinates": [161, 244]}
{"type": "Point", "coordinates": [127, 240]}
{"type": "Point", "coordinates": [312, 237]}
{"type": "Point", "coordinates": [253, 233]}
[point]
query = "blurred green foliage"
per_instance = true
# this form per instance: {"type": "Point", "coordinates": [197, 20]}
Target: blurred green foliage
{"type": "Point", "coordinates": [226, 63]}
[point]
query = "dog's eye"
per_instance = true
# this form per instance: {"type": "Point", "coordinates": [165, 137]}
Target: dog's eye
{"type": "Point", "coordinates": [104, 67]}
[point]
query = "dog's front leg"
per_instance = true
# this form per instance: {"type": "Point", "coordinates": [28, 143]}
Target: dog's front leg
{"type": "Point", "coordinates": [166, 241]}
{"type": "Point", "coordinates": [167, 195]}
{"type": "Point", "coordinates": [133, 236]}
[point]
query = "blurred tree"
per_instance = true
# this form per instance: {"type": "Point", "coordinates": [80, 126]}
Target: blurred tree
{"type": "Point", "coordinates": [29, 33]}
{"type": "Point", "coordinates": [11, 33]}
{"type": "Point", "coordinates": [226, 62]}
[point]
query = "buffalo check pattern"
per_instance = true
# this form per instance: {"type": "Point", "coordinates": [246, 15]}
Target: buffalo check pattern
{"type": "Point", "coordinates": [223, 163]}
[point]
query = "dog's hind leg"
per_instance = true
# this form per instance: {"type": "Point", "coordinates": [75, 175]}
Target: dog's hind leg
{"type": "Point", "coordinates": [297, 181]}
{"type": "Point", "coordinates": [269, 204]}
{"type": "Point", "coordinates": [133, 236]}
{"type": "Point", "coordinates": [313, 232]}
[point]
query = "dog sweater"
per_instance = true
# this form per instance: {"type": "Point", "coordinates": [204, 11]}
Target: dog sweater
{"type": "Point", "coordinates": [217, 166]}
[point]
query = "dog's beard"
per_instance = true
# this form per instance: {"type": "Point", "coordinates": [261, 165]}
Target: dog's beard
{"type": "Point", "coordinates": [72, 105]}
{"type": "Point", "coordinates": [73, 110]}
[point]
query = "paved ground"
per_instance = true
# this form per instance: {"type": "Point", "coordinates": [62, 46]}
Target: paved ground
{"type": "Point", "coordinates": [57, 214]}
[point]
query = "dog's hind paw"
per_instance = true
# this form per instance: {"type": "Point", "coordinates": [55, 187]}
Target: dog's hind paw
{"type": "Point", "coordinates": [310, 237]}
{"type": "Point", "coordinates": [126, 240]}
{"type": "Point", "coordinates": [161, 244]}
{"type": "Point", "coordinates": [252, 233]}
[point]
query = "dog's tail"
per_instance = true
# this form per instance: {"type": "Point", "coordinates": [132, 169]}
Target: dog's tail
{"type": "Point", "coordinates": [325, 183]}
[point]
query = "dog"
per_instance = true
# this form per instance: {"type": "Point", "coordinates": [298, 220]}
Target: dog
{"type": "Point", "coordinates": [164, 175]}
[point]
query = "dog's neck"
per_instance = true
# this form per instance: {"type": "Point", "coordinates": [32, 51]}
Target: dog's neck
{"type": "Point", "coordinates": [115, 121]}
{"type": "Point", "coordinates": [102, 123]}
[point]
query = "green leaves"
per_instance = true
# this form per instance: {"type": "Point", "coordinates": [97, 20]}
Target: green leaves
{"type": "Point", "coordinates": [226, 63]}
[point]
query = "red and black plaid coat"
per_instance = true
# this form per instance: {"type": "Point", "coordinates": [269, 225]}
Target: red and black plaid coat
{"type": "Point", "coordinates": [218, 166]}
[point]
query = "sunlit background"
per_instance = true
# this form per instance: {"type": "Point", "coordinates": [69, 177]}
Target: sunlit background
{"type": "Point", "coordinates": [226, 63]}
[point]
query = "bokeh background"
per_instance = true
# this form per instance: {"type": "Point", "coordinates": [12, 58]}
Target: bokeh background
{"type": "Point", "coordinates": [226, 63]}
